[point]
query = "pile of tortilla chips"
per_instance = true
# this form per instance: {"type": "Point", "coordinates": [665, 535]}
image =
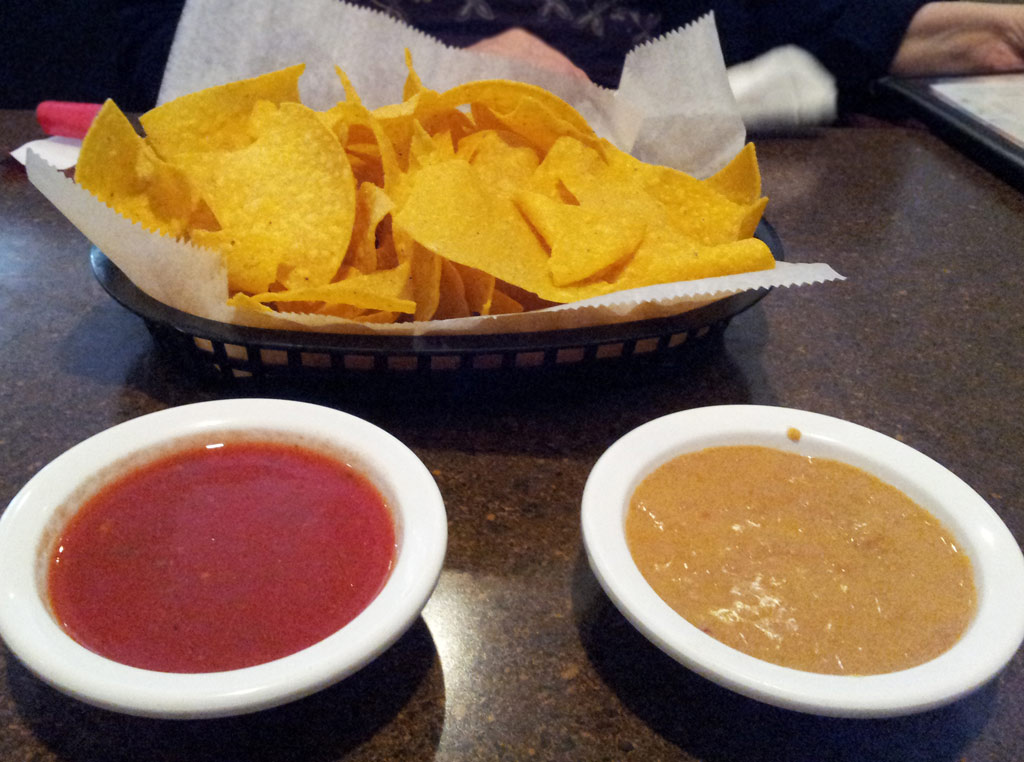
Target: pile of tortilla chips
{"type": "Point", "coordinates": [492, 197]}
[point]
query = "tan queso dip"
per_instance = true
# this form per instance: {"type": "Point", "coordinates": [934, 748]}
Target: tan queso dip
{"type": "Point", "coordinates": [805, 562]}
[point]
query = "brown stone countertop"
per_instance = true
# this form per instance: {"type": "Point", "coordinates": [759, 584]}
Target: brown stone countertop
{"type": "Point", "coordinates": [519, 655]}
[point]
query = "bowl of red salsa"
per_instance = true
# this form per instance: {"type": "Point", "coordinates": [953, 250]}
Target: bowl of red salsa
{"type": "Point", "coordinates": [218, 558]}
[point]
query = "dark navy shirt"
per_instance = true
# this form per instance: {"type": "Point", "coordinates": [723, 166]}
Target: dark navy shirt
{"type": "Point", "coordinates": [855, 39]}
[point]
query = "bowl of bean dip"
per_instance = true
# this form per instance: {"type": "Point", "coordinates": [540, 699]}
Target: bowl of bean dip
{"type": "Point", "coordinates": [804, 561]}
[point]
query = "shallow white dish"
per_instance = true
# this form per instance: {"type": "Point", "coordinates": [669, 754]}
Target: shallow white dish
{"type": "Point", "coordinates": [990, 642]}
{"type": "Point", "coordinates": [40, 508]}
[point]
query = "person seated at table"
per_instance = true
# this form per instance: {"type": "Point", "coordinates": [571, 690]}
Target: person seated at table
{"type": "Point", "coordinates": [856, 40]}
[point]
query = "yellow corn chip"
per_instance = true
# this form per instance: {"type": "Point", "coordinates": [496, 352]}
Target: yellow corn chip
{"type": "Point", "coordinates": [503, 304]}
{"type": "Point", "coordinates": [380, 290]}
{"type": "Point", "coordinates": [479, 288]}
{"type": "Point", "coordinates": [217, 118]}
{"type": "Point", "coordinates": [372, 205]}
{"type": "Point", "coordinates": [285, 203]}
{"type": "Point", "coordinates": [665, 256]}
{"type": "Point", "coordinates": [117, 166]}
{"type": "Point", "coordinates": [740, 179]}
{"type": "Point", "coordinates": [505, 97]}
{"type": "Point", "coordinates": [583, 241]}
{"type": "Point", "coordinates": [693, 207]}
{"type": "Point", "coordinates": [426, 270]}
{"type": "Point", "coordinates": [449, 212]}
{"type": "Point", "coordinates": [452, 294]}
{"type": "Point", "coordinates": [413, 84]}
{"type": "Point", "coordinates": [353, 113]}
{"type": "Point", "coordinates": [569, 165]}
{"type": "Point", "coordinates": [531, 119]}
{"type": "Point", "coordinates": [503, 169]}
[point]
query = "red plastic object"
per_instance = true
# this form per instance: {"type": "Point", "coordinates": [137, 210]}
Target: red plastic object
{"type": "Point", "coordinates": [66, 119]}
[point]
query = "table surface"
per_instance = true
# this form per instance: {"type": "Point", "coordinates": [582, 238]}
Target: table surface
{"type": "Point", "coordinates": [519, 654]}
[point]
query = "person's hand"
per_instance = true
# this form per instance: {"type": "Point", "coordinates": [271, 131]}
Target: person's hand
{"type": "Point", "coordinates": [521, 45]}
{"type": "Point", "coordinates": [962, 38]}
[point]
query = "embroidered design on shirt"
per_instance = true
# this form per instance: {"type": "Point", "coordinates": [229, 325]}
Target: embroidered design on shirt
{"type": "Point", "coordinates": [549, 8]}
{"type": "Point", "coordinates": [646, 25]}
{"type": "Point", "coordinates": [475, 9]}
{"type": "Point", "coordinates": [593, 19]}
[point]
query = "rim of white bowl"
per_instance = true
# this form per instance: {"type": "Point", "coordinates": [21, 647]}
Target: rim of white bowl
{"type": "Point", "coordinates": [32, 634]}
{"type": "Point", "coordinates": [991, 640]}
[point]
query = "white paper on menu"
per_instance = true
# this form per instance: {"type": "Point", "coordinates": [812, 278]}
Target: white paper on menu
{"type": "Point", "coordinates": [673, 107]}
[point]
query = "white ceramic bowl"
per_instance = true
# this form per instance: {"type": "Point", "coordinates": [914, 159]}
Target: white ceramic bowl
{"type": "Point", "coordinates": [30, 521]}
{"type": "Point", "coordinates": [990, 641]}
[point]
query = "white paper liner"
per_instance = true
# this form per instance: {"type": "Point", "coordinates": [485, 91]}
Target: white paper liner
{"type": "Point", "coordinates": [674, 107]}
{"type": "Point", "coordinates": [59, 152]}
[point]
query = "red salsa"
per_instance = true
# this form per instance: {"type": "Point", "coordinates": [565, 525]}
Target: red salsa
{"type": "Point", "coordinates": [221, 556]}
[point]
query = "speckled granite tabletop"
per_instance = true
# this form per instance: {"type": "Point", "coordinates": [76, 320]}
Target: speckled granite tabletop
{"type": "Point", "coordinates": [519, 655]}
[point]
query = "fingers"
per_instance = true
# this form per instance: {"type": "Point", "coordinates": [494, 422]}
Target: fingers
{"type": "Point", "coordinates": [962, 38]}
{"type": "Point", "coordinates": [521, 45]}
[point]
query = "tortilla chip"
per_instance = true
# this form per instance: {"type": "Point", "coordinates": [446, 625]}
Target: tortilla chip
{"type": "Point", "coordinates": [285, 203]}
{"type": "Point", "coordinates": [583, 241]}
{"type": "Point", "coordinates": [217, 118]}
{"type": "Point", "coordinates": [740, 179]}
{"type": "Point", "coordinates": [117, 166]}
{"type": "Point", "coordinates": [380, 290]}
